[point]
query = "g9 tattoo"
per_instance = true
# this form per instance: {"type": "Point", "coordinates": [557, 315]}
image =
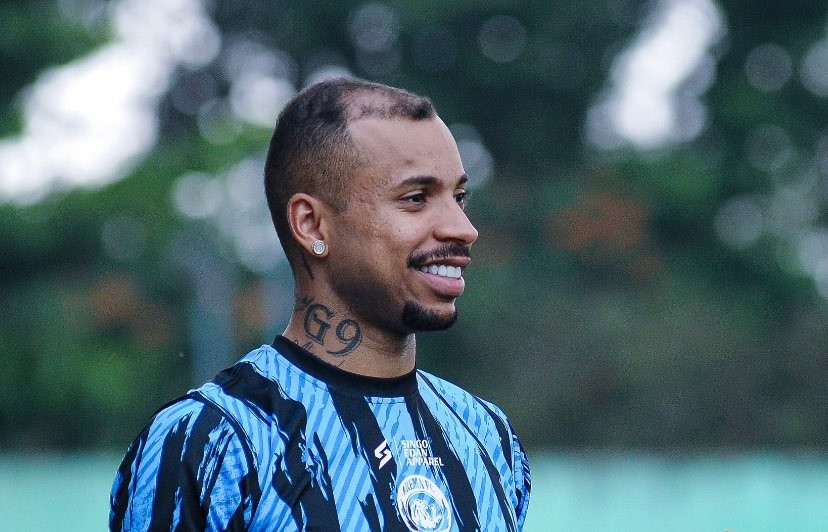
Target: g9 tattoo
{"type": "Point", "coordinates": [318, 321]}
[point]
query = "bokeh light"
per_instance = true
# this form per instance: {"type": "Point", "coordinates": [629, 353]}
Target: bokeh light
{"type": "Point", "coordinates": [768, 67]}
{"type": "Point", "coordinates": [814, 69]}
{"type": "Point", "coordinates": [769, 148]}
{"type": "Point", "coordinates": [374, 27]}
{"type": "Point", "coordinates": [477, 160]}
{"type": "Point", "coordinates": [658, 78]}
{"type": "Point", "coordinates": [502, 38]}
{"type": "Point", "coordinates": [739, 222]}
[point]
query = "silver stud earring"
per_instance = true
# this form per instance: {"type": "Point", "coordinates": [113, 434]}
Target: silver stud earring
{"type": "Point", "coordinates": [318, 247]}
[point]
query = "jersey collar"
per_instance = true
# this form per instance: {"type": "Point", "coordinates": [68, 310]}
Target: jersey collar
{"type": "Point", "coordinates": [344, 381]}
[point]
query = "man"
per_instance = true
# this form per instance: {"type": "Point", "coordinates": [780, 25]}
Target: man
{"type": "Point", "coordinates": [333, 427]}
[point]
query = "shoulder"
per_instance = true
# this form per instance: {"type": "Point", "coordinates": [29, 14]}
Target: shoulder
{"type": "Point", "coordinates": [215, 406]}
{"type": "Point", "coordinates": [180, 414]}
{"type": "Point", "coordinates": [186, 417]}
{"type": "Point", "coordinates": [459, 399]}
{"type": "Point", "coordinates": [195, 453]}
{"type": "Point", "coordinates": [186, 432]}
{"type": "Point", "coordinates": [189, 452]}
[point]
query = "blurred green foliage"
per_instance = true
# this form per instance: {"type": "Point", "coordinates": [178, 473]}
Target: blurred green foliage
{"type": "Point", "coordinates": [602, 309]}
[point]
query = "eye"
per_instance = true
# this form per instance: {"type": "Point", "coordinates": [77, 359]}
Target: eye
{"type": "Point", "coordinates": [462, 198]}
{"type": "Point", "coordinates": [416, 198]}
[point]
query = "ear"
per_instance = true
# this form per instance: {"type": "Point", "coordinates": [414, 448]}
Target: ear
{"type": "Point", "coordinates": [307, 217]}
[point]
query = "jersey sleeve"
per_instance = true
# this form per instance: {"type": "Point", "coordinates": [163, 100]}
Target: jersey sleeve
{"type": "Point", "coordinates": [523, 479]}
{"type": "Point", "coordinates": [187, 470]}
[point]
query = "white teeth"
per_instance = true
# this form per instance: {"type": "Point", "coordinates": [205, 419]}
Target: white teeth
{"type": "Point", "coordinates": [442, 270]}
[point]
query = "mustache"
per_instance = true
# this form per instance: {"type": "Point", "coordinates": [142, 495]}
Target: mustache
{"type": "Point", "coordinates": [421, 258]}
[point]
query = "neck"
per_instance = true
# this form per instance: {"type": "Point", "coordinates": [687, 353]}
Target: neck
{"type": "Point", "coordinates": [349, 343]}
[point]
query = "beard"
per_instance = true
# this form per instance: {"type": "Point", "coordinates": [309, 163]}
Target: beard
{"type": "Point", "coordinates": [418, 318]}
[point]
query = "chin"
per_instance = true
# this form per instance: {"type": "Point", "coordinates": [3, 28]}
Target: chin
{"type": "Point", "coordinates": [418, 318]}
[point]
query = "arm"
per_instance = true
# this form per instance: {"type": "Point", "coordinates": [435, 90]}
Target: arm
{"type": "Point", "coordinates": [188, 470]}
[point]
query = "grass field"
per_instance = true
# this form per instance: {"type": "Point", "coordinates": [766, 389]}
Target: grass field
{"type": "Point", "coordinates": [571, 492]}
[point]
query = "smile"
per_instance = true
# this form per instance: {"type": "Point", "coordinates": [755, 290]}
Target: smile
{"type": "Point", "coordinates": [442, 270]}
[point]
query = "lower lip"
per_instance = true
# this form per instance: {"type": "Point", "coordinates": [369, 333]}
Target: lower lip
{"type": "Point", "coordinates": [444, 286]}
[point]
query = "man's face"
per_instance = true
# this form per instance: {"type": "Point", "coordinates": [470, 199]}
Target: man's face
{"type": "Point", "coordinates": [398, 249]}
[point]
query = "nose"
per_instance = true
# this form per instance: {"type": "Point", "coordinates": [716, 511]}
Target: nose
{"type": "Point", "coordinates": [454, 225]}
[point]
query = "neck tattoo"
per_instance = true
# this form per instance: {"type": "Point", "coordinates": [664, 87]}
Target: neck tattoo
{"type": "Point", "coordinates": [318, 322]}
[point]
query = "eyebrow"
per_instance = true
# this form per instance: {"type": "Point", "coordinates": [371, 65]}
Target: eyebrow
{"type": "Point", "coordinates": [427, 180]}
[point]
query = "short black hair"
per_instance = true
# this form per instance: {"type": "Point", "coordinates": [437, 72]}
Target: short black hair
{"type": "Point", "coordinates": [311, 149]}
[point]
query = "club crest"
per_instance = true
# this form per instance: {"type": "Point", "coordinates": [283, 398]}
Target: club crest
{"type": "Point", "coordinates": [422, 505]}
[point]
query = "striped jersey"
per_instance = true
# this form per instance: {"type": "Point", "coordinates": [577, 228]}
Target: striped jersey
{"type": "Point", "coordinates": [285, 441]}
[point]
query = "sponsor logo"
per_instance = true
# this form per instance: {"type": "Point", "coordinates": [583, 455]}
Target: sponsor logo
{"type": "Point", "coordinates": [383, 453]}
{"type": "Point", "coordinates": [418, 452]}
{"type": "Point", "coordinates": [412, 452]}
{"type": "Point", "coordinates": [423, 505]}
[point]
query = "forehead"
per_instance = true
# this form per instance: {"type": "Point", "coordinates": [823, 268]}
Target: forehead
{"type": "Point", "coordinates": [395, 149]}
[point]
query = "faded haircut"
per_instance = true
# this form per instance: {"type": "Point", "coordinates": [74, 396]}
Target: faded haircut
{"type": "Point", "coordinates": [311, 150]}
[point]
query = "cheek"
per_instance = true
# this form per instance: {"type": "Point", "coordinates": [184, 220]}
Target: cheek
{"type": "Point", "coordinates": [385, 231]}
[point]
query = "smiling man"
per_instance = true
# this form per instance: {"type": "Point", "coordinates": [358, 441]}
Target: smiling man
{"type": "Point", "coordinates": [333, 427]}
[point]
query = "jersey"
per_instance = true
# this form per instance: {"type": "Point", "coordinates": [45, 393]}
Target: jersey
{"type": "Point", "coordinates": [285, 441]}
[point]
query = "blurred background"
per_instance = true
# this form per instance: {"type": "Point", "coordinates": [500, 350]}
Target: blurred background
{"type": "Point", "coordinates": [648, 295]}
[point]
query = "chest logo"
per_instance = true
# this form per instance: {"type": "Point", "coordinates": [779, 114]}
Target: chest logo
{"type": "Point", "coordinates": [423, 505]}
{"type": "Point", "coordinates": [383, 453]}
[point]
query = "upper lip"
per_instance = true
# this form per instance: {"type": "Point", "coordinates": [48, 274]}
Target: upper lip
{"type": "Point", "coordinates": [449, 254]}
{"type": "Point", "coordinates": [460, 262]}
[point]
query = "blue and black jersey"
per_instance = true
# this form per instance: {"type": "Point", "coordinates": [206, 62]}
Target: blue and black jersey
{"type": "Point", "coordinates": [284, 441]}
